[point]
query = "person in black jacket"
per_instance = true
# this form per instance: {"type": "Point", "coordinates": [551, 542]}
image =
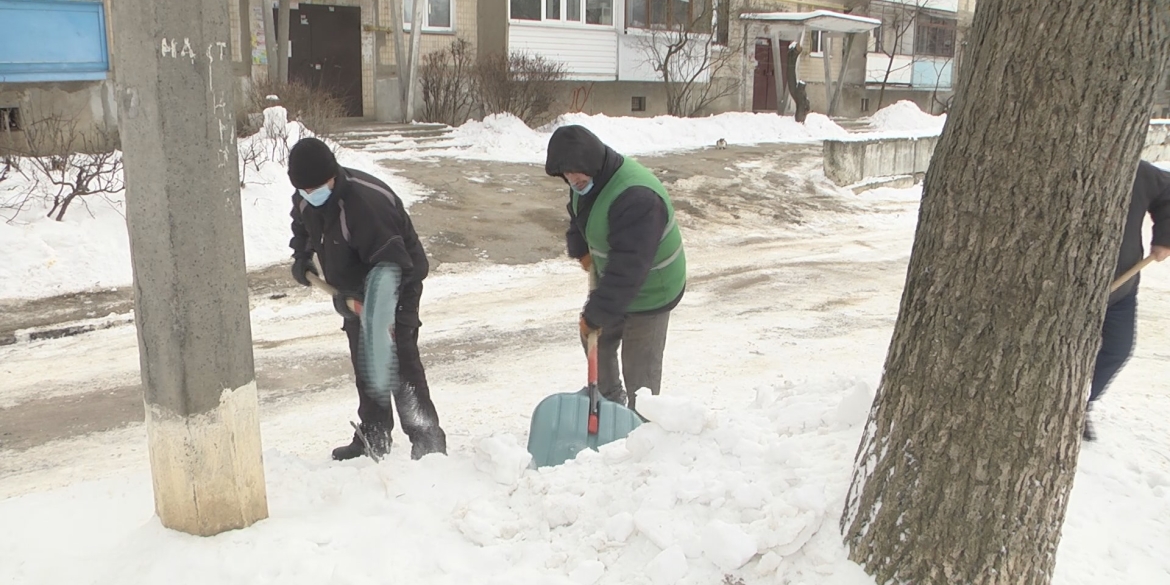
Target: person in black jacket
{"type": "Point", "coordinates": [1150, 195]}
{"type": "Point", "coordinates": [622, 229]}
{"type": "Point", "coordinates": [352, 222]}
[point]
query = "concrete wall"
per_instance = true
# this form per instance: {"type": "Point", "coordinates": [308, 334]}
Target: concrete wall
{"type": "Point", "coordinates": [88, 107]}
{"type": "Point", "coordinates": [613, 98]}
{"type": "Point", "coordinates": [848, 162]}
{"type": "Point", "coordinates": [492, 26]}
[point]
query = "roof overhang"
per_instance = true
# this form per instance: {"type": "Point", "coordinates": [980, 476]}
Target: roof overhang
{"type": "Point", "coordinates": [822, 20]}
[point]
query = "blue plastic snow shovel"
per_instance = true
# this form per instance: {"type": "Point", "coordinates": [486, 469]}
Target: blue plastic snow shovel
{"type": "Point", "coordinates": [565, 424]}
{"type": "Point", "coordinates": [377, 356]}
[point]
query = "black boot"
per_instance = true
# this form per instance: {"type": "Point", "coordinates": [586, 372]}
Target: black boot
{"type": "Point", "coordinates": [377, 436]}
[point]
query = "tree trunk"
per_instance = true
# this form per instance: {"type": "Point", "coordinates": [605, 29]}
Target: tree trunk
{"type": "Point", "coordinates": [966, 463]}
{"type": "Point", "coordinates": [797, 88]}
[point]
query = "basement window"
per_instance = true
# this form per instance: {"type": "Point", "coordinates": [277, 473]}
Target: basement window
{"type": "Point", "coordinates": [865, 104]}
{"type": "Point", "coordinates": [638, 103]}
{"type": "Point", "coordinates": [9, 119]}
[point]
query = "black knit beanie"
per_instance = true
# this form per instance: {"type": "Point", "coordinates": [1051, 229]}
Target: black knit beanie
{"type": "Point", "coordinates": [311, 163]}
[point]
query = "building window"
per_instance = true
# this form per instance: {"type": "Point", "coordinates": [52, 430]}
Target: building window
{"type": "Point", "coordinates": [814, 41]}
{"type": "Point", "coordinates": [934, 37]}
{"type": "Point", "coordinates": [599, 12]}
{"type": "Point", "coordinates": [865, 104]}
{"type": "Point", "coordinates": [525, 10]}
{"type": "Point", "coordinates": [595, 11]}
{"type": "Point", "coordinates": [693, 15]}
{"type": "Point", "coordinates": [9, 119]}
{"type": "Point", "coordinates": [722, 22]}
{"type": "Point", "coordinates": [438, 13]}
{"type": "Point", "coordinates": [638, 103]}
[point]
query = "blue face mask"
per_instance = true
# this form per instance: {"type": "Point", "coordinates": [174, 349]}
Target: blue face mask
{"type": "Point", "coordinates": [588, 188]}
{"type": "Point", "coordinates": [318, 197]}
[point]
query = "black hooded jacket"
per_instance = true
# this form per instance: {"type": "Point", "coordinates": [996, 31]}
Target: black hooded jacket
{"type": "Point", "coordinates": [636, 219]}
{"type": "Point", "coordinates": [361, 225]}
{"type": "Point", "coordinates": [1151, 194]}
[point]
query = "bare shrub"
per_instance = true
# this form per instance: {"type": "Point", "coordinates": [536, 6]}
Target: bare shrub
{"type": "Point", "coordinates": [65, 165]}
{"type": "Point", "coordinates": [448, 84]}
{"type": "Point", "coordinates": [519, 84]}
{"type": "Point", "coordinates": [316, 108]}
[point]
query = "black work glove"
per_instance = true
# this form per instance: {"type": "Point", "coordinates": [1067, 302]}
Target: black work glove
{"type": "Point", "coordinates": [302, 265]}
{"type": "Point", "coordinates": [341, 305]}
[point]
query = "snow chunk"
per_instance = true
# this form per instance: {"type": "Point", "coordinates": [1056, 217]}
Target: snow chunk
{"type": "Point", "coordinates": [502, 457]}
{"type": "Point", "coordinates": [677, 415]}
{"type": "Point", "coordinates": [727, 545]}
{"type": "Point", "coordinates": [588, 572]}
{"type": "Point", "coordinates": [620, 526]}
{"type": "Point", "coordinates": [668, 567]}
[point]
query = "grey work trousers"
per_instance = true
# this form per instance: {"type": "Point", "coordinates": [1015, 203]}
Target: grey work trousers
{"type": "Point", "coordinates": [642, 339]}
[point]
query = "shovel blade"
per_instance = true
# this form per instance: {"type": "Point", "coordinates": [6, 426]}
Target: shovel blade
{"type": "Point", "coordinates": [560, 427]}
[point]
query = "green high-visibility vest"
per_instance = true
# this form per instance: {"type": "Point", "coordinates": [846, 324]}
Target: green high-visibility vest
{"type": "Point", "coordinates": [668, 274]}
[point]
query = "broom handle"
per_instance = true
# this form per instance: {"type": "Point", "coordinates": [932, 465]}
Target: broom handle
{"type": "Point", "coordinates": [1128, 274]}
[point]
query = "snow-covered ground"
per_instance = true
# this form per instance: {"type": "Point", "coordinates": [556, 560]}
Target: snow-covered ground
{"type": "Point", "coordinates": [90, 249]}
{"type": "Point", "coordinates": [771, 364]}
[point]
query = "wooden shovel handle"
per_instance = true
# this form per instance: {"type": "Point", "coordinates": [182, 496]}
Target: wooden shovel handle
{"type": "Point", "coordinates": [1128, 274]}
{"type": "Point", "coordinates": [329, 290]}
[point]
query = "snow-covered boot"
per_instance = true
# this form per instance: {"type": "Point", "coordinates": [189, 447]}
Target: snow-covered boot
{"type": "Point", "coordinates": [377, 436]}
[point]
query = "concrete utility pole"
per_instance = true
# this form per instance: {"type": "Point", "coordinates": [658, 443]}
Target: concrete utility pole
{"type": "Point", "coordinates": [399, 57]}
{"type": "Point", "coordinates": [270, 42]}
{"type": "Point", "coordinates": [416, 26]}
{"type": "Point", "coordinates": [284, 49]}
{"type": "Point", "coordinates": [176, 100]}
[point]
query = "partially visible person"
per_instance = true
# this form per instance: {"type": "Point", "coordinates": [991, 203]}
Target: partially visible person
{"type": "Point", "coordinates": [1150, 195]}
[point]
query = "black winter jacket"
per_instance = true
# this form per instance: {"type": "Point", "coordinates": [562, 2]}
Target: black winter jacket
{"type": "Point", "coordinates": [1151, 194]}
{"type": "Point", "coordinates": [637, 219]}
{"type": "Point", "coordinates": [361, 225]}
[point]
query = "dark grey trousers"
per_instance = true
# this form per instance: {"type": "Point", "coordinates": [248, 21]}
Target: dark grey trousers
{"type": "Point", "coordinates": [642, 339]}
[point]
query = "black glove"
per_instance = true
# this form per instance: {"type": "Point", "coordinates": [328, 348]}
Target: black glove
{"type": "Point", "coordinates": [341, 305]}
{"type": "Point", "coordinates": [301, 265]}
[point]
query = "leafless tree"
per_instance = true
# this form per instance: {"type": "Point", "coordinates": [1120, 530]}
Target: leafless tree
{"type": "Point", "coordinates": [695, 68]}
{"type": "Point", "coordinates": [894, 37]}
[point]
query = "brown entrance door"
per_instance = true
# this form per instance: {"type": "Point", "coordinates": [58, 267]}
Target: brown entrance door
{"type": "Point", "coordinates": [327, 51]}
{"type": "Point", "coordinates": [764, 83]}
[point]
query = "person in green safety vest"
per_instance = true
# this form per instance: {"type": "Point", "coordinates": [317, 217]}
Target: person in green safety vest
{"type": "Point", "coordinates": [622, 227]}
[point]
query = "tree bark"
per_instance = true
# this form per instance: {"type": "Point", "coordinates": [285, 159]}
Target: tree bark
{"type": "Point", "coordinates": [966, 463]}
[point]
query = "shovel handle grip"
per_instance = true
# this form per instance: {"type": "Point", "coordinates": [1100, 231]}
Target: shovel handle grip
{"type": "Point", "coordinates": [1128, 274]}
{"type": "Point", "coordinates": [326, 288]}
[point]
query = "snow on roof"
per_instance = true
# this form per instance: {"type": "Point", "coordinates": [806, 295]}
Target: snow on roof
{"type": "Point", "coordinates": [826, 20]}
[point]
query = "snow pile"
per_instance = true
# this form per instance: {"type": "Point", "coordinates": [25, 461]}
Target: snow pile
{"type": "Point", "coordinates": [749, 493]}
{"type": "Point", "coordinates": [91, 249]}
{"type": "Point", "coordinates": [506, 138]}
{"type": "Point", "coordinates": [906, 117]}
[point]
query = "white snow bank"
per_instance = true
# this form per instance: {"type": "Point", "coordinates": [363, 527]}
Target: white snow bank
{"type": "Point", "coordinates": [906, 117]}
{"type": "Point", "coordinates": [92, 251]}
{"type": "Point", "coordinates": [505, 137]}
{"type": "Point", "coordinates": [745, 497]}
